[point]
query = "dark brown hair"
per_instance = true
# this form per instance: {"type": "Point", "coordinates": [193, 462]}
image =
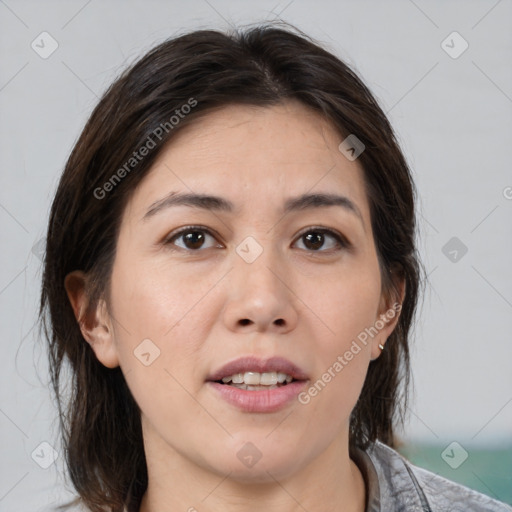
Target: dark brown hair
{"type": "Point", "coordinates": [206, 70]}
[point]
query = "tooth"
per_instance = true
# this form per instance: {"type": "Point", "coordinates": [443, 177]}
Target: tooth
{"type": "Point", "coordinates": [268, 379]}
{"type": "Point", "coordinates": [252, 378]}
{"type": "Point", "coordinates": [237, 378]}
{"type": "Point", "coordinates": [260, 388]}
{"type": "Point", "coordinates": [257, 379]}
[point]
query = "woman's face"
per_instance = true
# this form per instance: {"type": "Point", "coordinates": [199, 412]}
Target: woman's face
{"type": "Point", "coordinates": [266, 281]}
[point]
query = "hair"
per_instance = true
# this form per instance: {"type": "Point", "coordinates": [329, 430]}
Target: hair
{"type": "Point", "coordinates": [206, 69]}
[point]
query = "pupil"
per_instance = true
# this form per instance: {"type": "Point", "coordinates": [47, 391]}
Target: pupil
{"type": "Point", "coordinates": [315, 240]}
{"type": "Point", "coordinates": [194, 239]}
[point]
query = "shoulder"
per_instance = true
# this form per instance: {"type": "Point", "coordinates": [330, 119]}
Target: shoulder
{"type": "Point", "coordinates": [396, 484]}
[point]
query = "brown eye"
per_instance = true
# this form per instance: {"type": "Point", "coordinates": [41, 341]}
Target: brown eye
{"type": "Point", "coordinates": [192, 238]}
{"type": "Point", "coordinates": [322, 240]}
{"type": "Point", "coordinates": [314, 240]}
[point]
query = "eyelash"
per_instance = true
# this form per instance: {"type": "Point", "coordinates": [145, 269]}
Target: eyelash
{"type": "Point", "coordinates": [341, 241]}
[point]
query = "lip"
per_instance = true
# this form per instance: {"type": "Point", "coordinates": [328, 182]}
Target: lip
{"type": "Point", "coordinates": [254, 364]}
{"type": "Point", "coordinates": [261, 401]}
{"type": "Point", "coordinates": [264, 401]}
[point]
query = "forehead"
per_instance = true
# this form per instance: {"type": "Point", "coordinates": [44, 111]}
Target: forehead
{"type": "Point", "coordinates": [255, 156]}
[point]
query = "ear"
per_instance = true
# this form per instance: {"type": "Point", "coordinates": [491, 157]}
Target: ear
{"type": "Point", "coordinates": [95, 325]}
{"type": "Point", "coordinates": [389, 312]}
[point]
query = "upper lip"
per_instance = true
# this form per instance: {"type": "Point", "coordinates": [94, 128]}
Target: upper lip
{"type": "Point", "coordinates": [254, 364]}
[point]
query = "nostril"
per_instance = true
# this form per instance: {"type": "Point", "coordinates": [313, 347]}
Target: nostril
{"type": "Point", "coordinates": [246, 321]}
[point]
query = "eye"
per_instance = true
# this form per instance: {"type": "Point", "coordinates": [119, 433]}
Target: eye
{"type": "Point", "coordinates": [316, 238]}
{"type": "Point", "coordinates": [193, 238]}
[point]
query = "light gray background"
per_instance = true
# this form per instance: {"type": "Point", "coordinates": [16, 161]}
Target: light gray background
{"type": "Point", "coordinates": [454, 120]}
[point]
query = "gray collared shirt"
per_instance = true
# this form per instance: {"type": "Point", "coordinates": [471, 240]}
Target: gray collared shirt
{"type": "Point", "coordinates": [395, 485]}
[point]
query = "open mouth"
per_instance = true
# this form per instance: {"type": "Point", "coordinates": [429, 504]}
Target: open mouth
{"type": "Point", "coordinates": [257, 385]}
{"type": "Point", "coordinates": [255, 381]}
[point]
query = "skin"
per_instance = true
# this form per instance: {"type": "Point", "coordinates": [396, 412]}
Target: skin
{"type": "Point", "coordinates": [207, 306]}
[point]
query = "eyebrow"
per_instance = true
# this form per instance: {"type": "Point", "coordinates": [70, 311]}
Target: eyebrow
{"type": "Point", "coordinates": [220, 204]}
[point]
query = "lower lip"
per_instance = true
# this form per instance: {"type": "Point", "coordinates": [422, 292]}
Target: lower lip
{"type": "Point", "coordinates": [265, 400]}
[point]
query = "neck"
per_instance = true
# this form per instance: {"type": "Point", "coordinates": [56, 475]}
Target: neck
{"type": "Point", "coordinates": [331, 482]}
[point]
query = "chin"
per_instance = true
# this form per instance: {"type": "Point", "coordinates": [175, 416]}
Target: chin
{"type": "Point", "coordinates": [260, 473]}
{"type": "Point", "coordinates": [258, 461]}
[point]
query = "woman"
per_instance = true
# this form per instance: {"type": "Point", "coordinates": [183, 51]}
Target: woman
{"type": "Point", "coordinates": [231, 275]}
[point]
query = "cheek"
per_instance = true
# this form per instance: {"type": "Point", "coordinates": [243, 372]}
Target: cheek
{"type": "Point", "coordinates": [156, 300]}
{"type": "Point", "coordinates": [347, 307]}
{"type": "Point", "coordinates": [160, 327]}
{"type": "Point", "coordinates": [340, 373]}
{"type": "Point", "coordinates": [163, 372]}
{"type": "Point", "coordinates": [346, 303]}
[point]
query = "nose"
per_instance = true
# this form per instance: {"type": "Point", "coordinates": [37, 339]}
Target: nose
{"type": "Point", "coordinates": [261, 298]}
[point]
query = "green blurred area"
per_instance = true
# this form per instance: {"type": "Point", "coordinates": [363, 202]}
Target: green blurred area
{"type": "Point", "coordinates": [486, 469]}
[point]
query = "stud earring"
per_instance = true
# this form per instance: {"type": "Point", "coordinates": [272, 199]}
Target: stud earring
{"type": "Point", "coordinates": [381, 346]}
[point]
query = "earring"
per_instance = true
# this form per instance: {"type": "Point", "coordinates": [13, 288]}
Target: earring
{"type": "Point", "coordinates": [381, 346]}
